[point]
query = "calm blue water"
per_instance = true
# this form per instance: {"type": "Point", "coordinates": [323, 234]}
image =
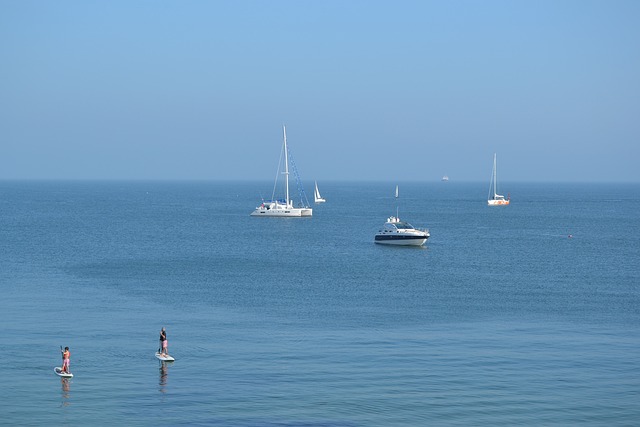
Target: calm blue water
{"type": "Point", "coordinates": [501, 319]}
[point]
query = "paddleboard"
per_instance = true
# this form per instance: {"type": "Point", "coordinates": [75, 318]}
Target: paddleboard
{"type": "Point", "coordinates": [166, 358]}
{"type": "Point", "coordinates": [59, 373]}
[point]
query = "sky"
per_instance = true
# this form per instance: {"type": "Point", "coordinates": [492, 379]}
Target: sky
{"type": "Point", "coordinates": [368, 90]}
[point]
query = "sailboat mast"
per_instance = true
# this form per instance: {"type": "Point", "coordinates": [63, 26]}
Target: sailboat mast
{"type": "Point", "coordinates": [286, 165]}
{"type": "Point", "coordinates": [495, 177]}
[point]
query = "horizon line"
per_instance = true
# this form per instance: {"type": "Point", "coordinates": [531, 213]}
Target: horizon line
{"type": "Point", "coordinates": [333, 180]}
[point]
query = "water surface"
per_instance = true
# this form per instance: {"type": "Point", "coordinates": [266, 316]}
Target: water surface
{"type": "Point", "coordinates": [501, 319]}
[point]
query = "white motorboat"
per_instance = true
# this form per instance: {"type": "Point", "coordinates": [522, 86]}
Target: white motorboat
{"type": "Point", "coordinates": [396, 232]}
{"type": "Point", "coordinates": [284, 207]}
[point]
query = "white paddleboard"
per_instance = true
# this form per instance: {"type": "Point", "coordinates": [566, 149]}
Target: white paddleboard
{"type": "Point", "coordinates": [165, 358]}
{"type": "Point", "coordinates": [59, 373]}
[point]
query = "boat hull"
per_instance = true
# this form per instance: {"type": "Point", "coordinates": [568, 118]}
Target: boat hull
{"type": "Point", "coordinates": [498, 202]}
{"type": "Point", "coordinates": [401, 240]}
{"type": "Point", "coordinates": [279, 213]}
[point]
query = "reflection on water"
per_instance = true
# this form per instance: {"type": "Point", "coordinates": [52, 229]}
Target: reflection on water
{"type": "Point", "coordinates": [66, 391]}
{"type": "Point", "coordinates": [163, 376]}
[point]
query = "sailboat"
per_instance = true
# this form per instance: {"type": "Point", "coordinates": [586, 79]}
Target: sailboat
{"type": "Point", "coordinates": [316, 195]}
{"type": "Point", "coordinates": [495, 199]}
{"type": "Point", "coordinates": [282, 207]}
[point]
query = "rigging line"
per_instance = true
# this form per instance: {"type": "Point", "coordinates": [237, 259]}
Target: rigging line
{"type": "Point", "coordinates": [301, 193]}
{"type": "Point", "coordinates": [275, 182]}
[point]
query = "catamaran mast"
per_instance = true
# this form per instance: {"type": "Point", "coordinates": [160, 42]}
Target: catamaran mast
{"type": "Point", "coordinates": [286, 164]}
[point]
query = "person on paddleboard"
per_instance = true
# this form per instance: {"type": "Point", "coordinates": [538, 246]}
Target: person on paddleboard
{"type": "Point", "coordinates": [66, 356]}
{"type": "Point", "coordinates": [163, 342]}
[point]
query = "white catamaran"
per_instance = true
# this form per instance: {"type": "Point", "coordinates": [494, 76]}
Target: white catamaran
{"type": "Point", "coordinates": [316, 195]}
{"type": "Point", "coordinates": [494, 198]}
{"type": "Point", "coordinates": [283, 207]}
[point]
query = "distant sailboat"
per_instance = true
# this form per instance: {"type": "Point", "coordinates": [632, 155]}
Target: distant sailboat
{"type": "Point", "coordinates": [494, 198]}
{"type": "Point", "coordinates": [316, 195]}
{"type": "Point", "coordinates": [397, 216]}
{"type": "Point", "coordinates": [283, 207]}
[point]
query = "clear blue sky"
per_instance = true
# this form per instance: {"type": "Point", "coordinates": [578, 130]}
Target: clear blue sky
{"type": "Point", "coordinates": [408, 90]}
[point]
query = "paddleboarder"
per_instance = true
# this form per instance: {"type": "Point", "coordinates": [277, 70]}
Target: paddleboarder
{"type": "Point", "coordinates": [66, 356]}
{"type": "Point", "coordinates": [163, 342]}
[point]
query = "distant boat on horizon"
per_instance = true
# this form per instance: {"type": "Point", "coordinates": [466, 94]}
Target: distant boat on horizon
{"type": "Point", "coordinates": [445, 178]}
{"type": "Point", "coordinates": [496, 199]}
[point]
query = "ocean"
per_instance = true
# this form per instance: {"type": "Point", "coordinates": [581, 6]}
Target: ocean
{"type": "Point", "coordinates": [523, 315]}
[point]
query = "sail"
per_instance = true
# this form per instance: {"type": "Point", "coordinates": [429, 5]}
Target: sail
{"type": "Point", "coordinates": [316, 194]}
{"type": "Point", "coordinates": [397, 207]}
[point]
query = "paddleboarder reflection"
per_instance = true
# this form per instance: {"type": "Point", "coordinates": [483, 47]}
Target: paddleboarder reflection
{"type": "Point", "coordinates": [66, 389]}
{"type": "Point", "coordinates": [163, 376]}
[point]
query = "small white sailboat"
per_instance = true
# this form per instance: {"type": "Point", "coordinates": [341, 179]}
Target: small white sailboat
{"type": "Point", "coordinates": [495, 199]}
{"type": "Point", "coordinates": [316, 195]}
{"type": "Point", "coordinates": [282, 207]}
